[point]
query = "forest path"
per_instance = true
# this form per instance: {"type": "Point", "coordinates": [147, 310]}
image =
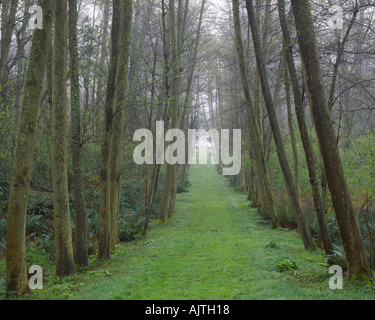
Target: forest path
{"type": "Point", "coordinates": [213, 249]}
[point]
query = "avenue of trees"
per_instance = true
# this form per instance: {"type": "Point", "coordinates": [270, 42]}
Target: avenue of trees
{"type": "Point", "coordinates": [298, 77]}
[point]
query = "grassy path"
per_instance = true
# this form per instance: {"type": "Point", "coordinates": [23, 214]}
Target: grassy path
{"type": "Point", "coordinates": [216, 249]}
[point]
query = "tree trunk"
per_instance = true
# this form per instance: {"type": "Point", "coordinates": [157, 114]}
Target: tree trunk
{"type": "Point", "coordinates": [99, 103]}
{"type": "Point", "coordinates": [59, 157]}
{"type": "Point", "coordinates": [309, 153]}
{"type": "Point", "coordinates": [7, 26]}
{"type": "Point", "coordinates": [81, 253]}
{"type": "Point", "coordinates": [254, 129]}
{"type": "Point", "coordinates": [177, 47]}
{"type": "Point", "coordinates": [105, 210]}
{"type": "Point", "coordinates": [170, 188]}
{"type": "Point", "coordinates": [119, 118]}
{"type": "Point", "coordinates": [291, 132]}
{"type": "Point", "coordinates": [16, 273]}
{"type": "Point", "coordinates": [289, 182]}
{"type": "Point", "coordinates": [350, 235]}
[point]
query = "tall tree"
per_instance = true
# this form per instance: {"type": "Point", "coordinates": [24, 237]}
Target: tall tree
{"type": "Point", "coordinates": [105, 211]}
{"type": "Point", "coordinates": [59, 122]}
{"type": "Point", "coordinates": [9, 10]}
{"type": "Point", "coordinates": [176, 44]}
{"type": "Point", "coordinates": [289, 182]}
{"type": "Point", "coordinates": [358, 265]}
{"type": "Point", "coordinates": [257, 143]}
{"type": "Point", "coordinates": [103, 55]}
{"type": "Point", "coordinates": [81, 253]}
{"type": "Point", "coordinates": [16, 273]}
{"type": "Point", "coordinates": [162, 114]}
{"type": "Point", "coordinates": [291, 130]}
{"type": "Point", "coordinates": [177, 70]}
{"type": "Point", "coordinates": [119, 116]}
{"type": "Point", "coordinates": [309, 153]}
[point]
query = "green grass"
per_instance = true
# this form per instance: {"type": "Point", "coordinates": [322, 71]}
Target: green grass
{"type": "Point", "coordinates": [215, 248]}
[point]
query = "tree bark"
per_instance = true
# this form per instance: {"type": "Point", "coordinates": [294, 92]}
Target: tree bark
{"type": "Point", "coordinates": [254, 128]}
{"type": "Point", "coordinates": [105, 210]}
{"type": "Point", "coordinates": [290, 185]}
{"type": "Point", "coordinates": [309, 153]}
{"type": "Point", "coordinates": [177, 47]}
{"type": "Point", "coordinates": [103, 54]}
{"type": "Point", "coordinates": [7, 26]}
{"type": "Point", "coordinates": [291, 132]}
{"type": "Point", "coordinates": [170, 180]}
{"type": "Point", "coordinates": [81, 253]}
{"type": "Point", "coordinates": [119, 118]}
{"type": "Point", "coordinates": [16, 273]}
{"type": "Point", "coordinates": [59, 122]}
{"type": "Point", "coordinates": [358, 265]}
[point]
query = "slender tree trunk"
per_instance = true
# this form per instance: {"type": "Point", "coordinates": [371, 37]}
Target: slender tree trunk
{"type": "Point", "coordinates": [166, 48]}
{"type": "Point", "coordinates": [177, 46]}
{"type": "Point", "coordinates": [59, 122]}
{"type": "Point", "coordinates": [237, 101]}
{"type": "Point", "coordinates": [350, 235]}
{"type": "Point", "coordinates": [119, 118]}
{"type": "Point", "coordinates": [291, 132]}
{"type": "Point", "coordinates": [340, 53]}
{"type": "Point", "coordinates": [289, 182]}
{"type": "Point", "coordinates": [81, 253]}
{"type": "Point", "coordinates": [103, 54]}
{"type": "Point", "coordinates": [16, 273]}
{"type": "Point", "coordinates": [146, 192]}
{"type": "Point", "coordinates": [169, 182]}
{"type": "Point", "coordinates": [152, 194]}
{"type": "Point", "coordinates": [18, 61]}
{"type": "Point", "coordinates": [105, 196]}
{"type": "Point", "coordinates": [9, 21]}
{"type": "Point", "coordinates": [319, 161]}
{"type": "Point", "coordinates": [254, 129]}
{"type": "Point", "coordinates": [309, 153]}
{"type": "Point", "coordinates": [193, 66]}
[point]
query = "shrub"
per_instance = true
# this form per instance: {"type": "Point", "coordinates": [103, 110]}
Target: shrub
{"type": "Point", "coordinates": [287, 265]}
{"type": "Point", "coordinates": [272, 245]}
{"type": "Point", "coordinates": [130, 224]}
{"type": "Point", "coordinates": [338, 257]}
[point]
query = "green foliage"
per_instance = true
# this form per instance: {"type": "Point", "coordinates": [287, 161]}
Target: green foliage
{"type": "Point", "coordinates": [359, 164]}
{"type": "Point", "coordinates": [246, 204]}
{"type": "Point", "coordinates": [130, 224]}
{"type": "Point", "coordinates": [338, 257]}
{"type": "Point", "coordinates": [37, 255]}
{"type": "Point", "coordinates": [286, 215]}
{"type": "Point", "coordinates": [272, 245]}
{"type": "Point", "coordinates": [36, 225]}
{"type": "Point", "coordinates": [287, 265]}
{"type": "Point", "coordinates": [40, 206]}
{"type": "Point", "coordinates": [4, 193]}
{"type": "Point", "coordinates": [182, 186]}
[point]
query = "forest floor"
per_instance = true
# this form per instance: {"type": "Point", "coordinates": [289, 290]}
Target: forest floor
{"type": "Point", "coordinates": [217, 248]}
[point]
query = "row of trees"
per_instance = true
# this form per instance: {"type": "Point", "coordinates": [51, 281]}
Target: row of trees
{"type": "Point", "coordinates": [321, 111]}
{"type": "Point", "coordinates": [99, 70]}
{"type": "Point", "coordinates": [152, 73]}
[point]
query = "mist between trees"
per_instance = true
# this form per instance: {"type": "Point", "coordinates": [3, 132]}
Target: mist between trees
{"type": "Point", "coordinates": [295, 77]}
